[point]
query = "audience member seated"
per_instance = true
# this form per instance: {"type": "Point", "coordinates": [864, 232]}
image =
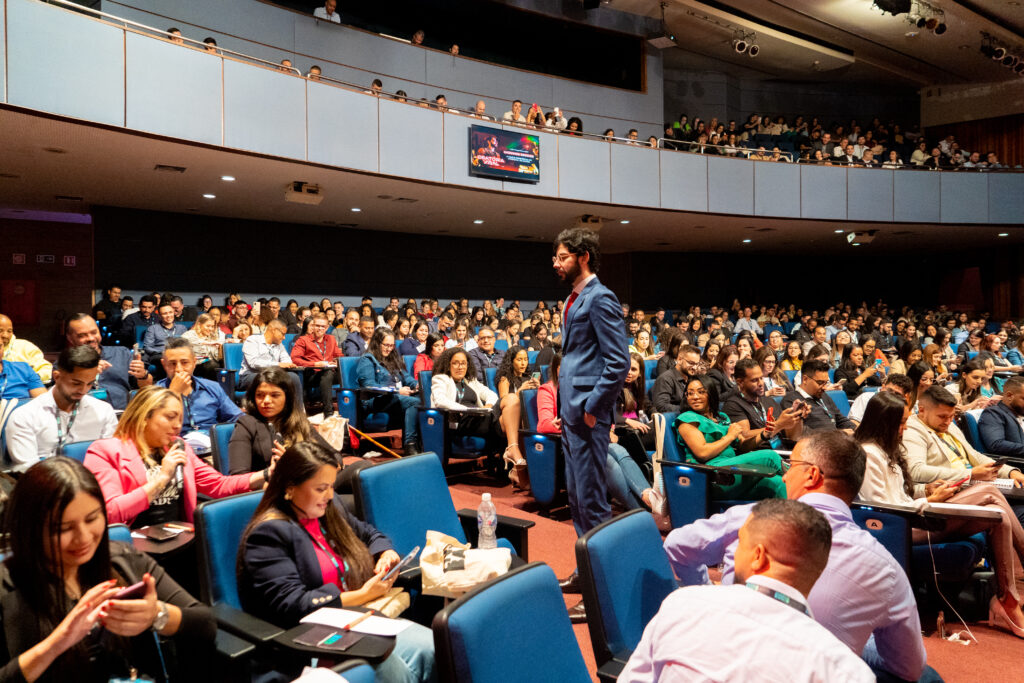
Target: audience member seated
{"type": "Point", "coordinates": [156, 336]}
{"type": "Point", "coordinates": [1000, 425]}
{"type": "Point", "coordinates": [303, 550]}
{"type": "Point", "coordinates": [207, 345]}
{"type": "Point", "coordinates": [348, 324]}
{"type": "Point", "coordinates": [510, 379]}
{"type": "Point", "coordinates": [382, 367]}
{"type": "Point", "coordinates": [484, 355]}
{"type": "Point", "coordinates": [887, 480]}
{"type": "Point", "coordinates": [706, 435]}
{"type": "Point", "coordinates": [825, 471]}
{"type": "Point", "coordinates": [433, 347]}
{"type": "Point", "coordinates": [23, 351]}
{"type": "Point", "coordinates": [670, 387]}
{"type": "Point", "coordinates": [516, 114]}
{"type": "Point", "coordinates": [761, 418]}
{"type": "Point", "coordinates": [453, 387]}
{"type": "Point", "coordinates": [144, 317]}
{"type": "Point", "coordinates": [121, 371]}
{"type": "Point", "coordinates": [793, 357]}
{"type": "Point", "coordinates": [317, 353]}
{"type": "Point", "coordinates": [819, 410]}
{"type": "Point", "coordinates": [539, 337]}
{"type": "Point", "coordinates": [203, 401]}
{"type": "Point", "coordinates": [968, 389]}
{"type": "Point", "coordinates": [721, 372]}
{"type": "Point", "coordinates": [138, 469]}
{"type": "Point", "coordinates": [898, 384]}
{"type": "Point", "coordinates": [855, 374]}
{"type": "Point", "coordinates": [64, 414]}
{"type": "Point", "coordinates": [19, 381]}
{"type": "Point", "coordinates": [632, 424]}
{"type": "Point", "coordinates": [266, 350]}
{"type": "Point", "coordinates": [776, 383]}
{"type": "Point", "coordinates": [643, 347]}
{"type": "Point", "coordinates": [783, 547]}
{"type": "Point", "coordinates": [416, 342]}
{"type": "Point", "coordinates": [356, 344]}
{"type": "Point", "coordinates": [937, 449]}
{"type": "Point", "coordinates": [670, 340]}
{"type": "Point", "coordinates": [59, 581]}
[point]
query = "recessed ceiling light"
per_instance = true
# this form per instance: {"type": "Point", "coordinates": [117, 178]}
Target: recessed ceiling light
{"type": "Point", "coordinates": [747, 241]}
{"type": "Point", "coordinates": [478, 221]}
{"type": "Point", "coordinates": [356, 209]}
{"type": "Point", "coordinates": [624, 222]}
{"type": "Point", "coordinates": [209, 196]}
{"type": "Point", "coordinates": [1004, 234]}
{"type": "Point", "coordinates": [228, 178]}
{"type": "Point", "coordinates": [839, 232]}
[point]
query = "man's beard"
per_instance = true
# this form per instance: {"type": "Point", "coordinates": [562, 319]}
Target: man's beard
{"type": "Point", "coordinates": [569, 275]}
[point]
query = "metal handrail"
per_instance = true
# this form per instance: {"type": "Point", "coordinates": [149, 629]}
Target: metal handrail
{"type": "Point", "coordinates": [741, 151]}
{"type": "Point", "coordinates": [167, 36]}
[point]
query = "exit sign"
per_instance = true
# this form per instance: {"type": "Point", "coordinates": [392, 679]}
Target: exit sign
{"type": "Point", "coordinates": [45, 258]}
{"type": "Point", "coordinates": [69, 261]}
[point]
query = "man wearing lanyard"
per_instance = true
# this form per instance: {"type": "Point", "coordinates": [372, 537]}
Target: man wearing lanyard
{"type": "Point", "coordinates": [595, 362]}
{"type": "Point", "coordinates": [120, 369]}
{"type": "Point", "coordinates": [64, 414]}
{"type": "Point", "coordinates": [204, 403]}
{"type": "Point", "coordinates": [938, 450]}
{"type": "Point", "coordinates": [862, 592]}
{"type": "Point", "coordinates": [783, 548]}
{"type": "Point", "coordinates": [762, 418]}
{"type": "Point", "coordinates": [820, 412]}
{"type": "Point", "coordinates": [317, 354]}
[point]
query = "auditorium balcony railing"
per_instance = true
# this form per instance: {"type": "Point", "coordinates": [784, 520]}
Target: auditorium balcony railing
{"type": "Point", "coordinates": [81, 64]}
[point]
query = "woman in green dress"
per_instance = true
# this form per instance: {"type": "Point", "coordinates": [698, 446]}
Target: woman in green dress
{"type": "Point", "coordinates": [707, 437]}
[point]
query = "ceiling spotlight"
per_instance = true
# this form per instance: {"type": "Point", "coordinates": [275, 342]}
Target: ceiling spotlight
{"type": "Point", "coordinates": [1008, 61]}
{"type": "Point", "coordinates": [1019, 69]}
{"type": "Point", "coordinates": [228, 178]}
{"type": "Point", "coordinates": [940, 29]}
{"type": "Point", "coordinates": [838, 232]}
{"type": "Point", "coordinates": [917, 20]}
{"type": "Point", "coordinates": [478, 221]}
{"type": "Point", "coordinates": [931, 23]}
{"type": "Point", "coordinates": [624, 222]}
{"type": "Point", "coordinates": [998, 53]}
{"type": "Point", "coordinates": [739, 45]}
{"type": "Point", "coordinates": [1004, 234]}
{"type": "Point", "coordinates": [209, 196]}
{"type": "Point", "coordinates": [356, 209]}
{"type": "Point", "coordinates": [754, 50]}
{"type": "Point", "coordinates": [746, 241]}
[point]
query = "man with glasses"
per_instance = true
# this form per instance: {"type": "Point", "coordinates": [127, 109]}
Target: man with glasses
{"type": "Point", "coordinates": [317, 353]}
{"type": "Point", "coordinates": [485, 355]}
{"type": "Point", "coordinates": [670, 386]}
{"type": "Point", "coordinates": [595, 362]}
{"type": "Point", "coordinates": [818, 409]}
{"type": "Point", "coordinates": [862, 592]}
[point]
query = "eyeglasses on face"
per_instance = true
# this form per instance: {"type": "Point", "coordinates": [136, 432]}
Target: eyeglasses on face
{"type": "Point", "coordinates": [561, 258]}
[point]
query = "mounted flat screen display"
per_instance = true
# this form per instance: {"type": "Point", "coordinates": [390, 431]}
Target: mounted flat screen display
{"type": "Point", "coordinates": [504, 154]}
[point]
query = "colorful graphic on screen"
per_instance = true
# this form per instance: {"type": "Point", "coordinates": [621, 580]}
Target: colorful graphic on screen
{"type": "Point", "coordinates": [505, 154]}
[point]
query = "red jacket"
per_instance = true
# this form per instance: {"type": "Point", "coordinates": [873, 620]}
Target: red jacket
{"type": "Point", "coordinates": [547, 409]}
{"type": "Point", "coordinates": [121, 473]}
{"type": "Point", "coordinates": [306, 353]}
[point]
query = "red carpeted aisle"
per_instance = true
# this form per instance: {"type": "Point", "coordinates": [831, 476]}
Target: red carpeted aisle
{"type": "Point", "coordinates": [995, 657]}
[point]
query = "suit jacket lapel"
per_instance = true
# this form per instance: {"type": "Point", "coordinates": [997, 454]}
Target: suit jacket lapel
{"type": "Point", "coordinates": [580, 299]}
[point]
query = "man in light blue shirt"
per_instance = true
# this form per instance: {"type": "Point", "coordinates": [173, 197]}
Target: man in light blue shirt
{"type": "Point", "coordinates": [747, 324]}
{"type": "Point", "coordinates": [264, 350]}
{"type": "Point", "coordinates": [863, 596]}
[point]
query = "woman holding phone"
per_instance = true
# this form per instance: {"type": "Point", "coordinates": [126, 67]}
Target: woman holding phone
{"type": "Point", "coordinates": [148, 475]}
{"type": "Point", "coordinates": [855, 374]}
{"type": "Point", "coordinates": [63, 579]}
{"type": "Point", "coordinates": [303, 551]}
{"type": "Point", "coordinates": [887, 480]}
{"type": "Point", "coordinates": [511, 378]}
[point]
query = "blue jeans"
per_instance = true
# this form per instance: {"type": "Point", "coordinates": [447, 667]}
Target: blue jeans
{"type": "Point", "coordinates": [399, 407]}
{"type": "Point", "coordinates": [626, 482]}
{"type": "Point", "coordinates": [412, 660]}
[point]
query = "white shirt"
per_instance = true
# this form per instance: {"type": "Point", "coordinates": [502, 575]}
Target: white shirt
{"type": "Point", "coordinates": [258, 353]}
{"type": "Point", "coordinates": [32, 429]}
{"type": "Point", "coordinates": [321, 13]}
{"type": "Point", "coordinates": [882, 484]}
{"type": "Point", "coordinates": [767, 640]}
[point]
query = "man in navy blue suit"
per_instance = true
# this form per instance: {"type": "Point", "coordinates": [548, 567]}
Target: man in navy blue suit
{"type": "Point", "coordinates": [595, 360]}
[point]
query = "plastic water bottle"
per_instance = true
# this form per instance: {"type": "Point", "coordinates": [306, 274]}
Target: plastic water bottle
{"type": "Point", "coordinates": [486, 522]}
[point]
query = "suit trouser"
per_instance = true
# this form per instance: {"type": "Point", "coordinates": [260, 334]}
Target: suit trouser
{"type": "Point", "coordinates": [1005, 537]}
{"type": "Point", "coordinates": [586, 457]}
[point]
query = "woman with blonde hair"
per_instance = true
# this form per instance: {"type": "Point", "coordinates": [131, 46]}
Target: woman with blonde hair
{"type": "Point", "coordinates": [148, 474]}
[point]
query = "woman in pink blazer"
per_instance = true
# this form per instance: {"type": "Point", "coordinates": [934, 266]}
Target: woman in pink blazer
{"type": "Point", "coordinates": [138, 469]}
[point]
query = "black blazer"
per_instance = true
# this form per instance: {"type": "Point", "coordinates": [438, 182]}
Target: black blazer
{"type": "Point", "coordinates": [280, 579]}
{"type": "Point", "coordinates": [852, 389]}
{"type": "Point", "coordinates": [1000, 431]}
{"type": "Point", "coordinates": [251, 446]}
{"type": "Point", "coordinates": [22, 629]}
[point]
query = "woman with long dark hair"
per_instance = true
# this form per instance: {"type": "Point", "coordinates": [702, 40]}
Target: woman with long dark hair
{"type": "Point", "coordinates": [910, 353]}
{"type": "Point", "coordinates": [432, 350]}
{"type": "Point", "coordinates": [381, 367]}
{"type": "Point", "coordinates": [58, 582]}
{"type": "Point", "coordinates": [721, 373]}
{"type": "Point", "coordinates": [511, 378]}
{"type": "Point", "coordinates": [706, 436]}
{"type": "Point", "coordinates": [923, 376]}
{"type": "Point", "coordinates": [303, 551]}
{"type": "Point", "coordinates": [274, 419]}
{"type": "Point", "coordinates": [415, 343]}
{"type": "Point", "coordinates": [858, 372]}
{"type": "Point", "coordinates": [887, 480]}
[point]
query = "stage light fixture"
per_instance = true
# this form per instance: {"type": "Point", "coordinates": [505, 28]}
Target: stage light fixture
{"type": "Point", "coordinates": [754, 50]}
{"type": "Point", "coordinates": [940, 29]}
{"type": "Point", "coordinates": [739, 45]}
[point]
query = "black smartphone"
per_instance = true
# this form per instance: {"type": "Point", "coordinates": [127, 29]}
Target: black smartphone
{"type": "Point", "coordinates": [999, 462]}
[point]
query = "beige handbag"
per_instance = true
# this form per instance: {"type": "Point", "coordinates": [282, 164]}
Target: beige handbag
{"type": "Point", "coordinates": [450, 568]}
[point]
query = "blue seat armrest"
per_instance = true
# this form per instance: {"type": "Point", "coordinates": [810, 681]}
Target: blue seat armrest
{"type": "Point", "coordinates": [244, 625]}
{"type": "Point", "coordinates": [516, 530]}
{"type": "Point", "coordinates": [232, 648]}
{"type": "Point", "coordinates": [722, 474]}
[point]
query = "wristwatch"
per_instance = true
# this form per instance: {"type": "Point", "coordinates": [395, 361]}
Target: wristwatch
{"type": "Point", "coordinates": [162, 616]}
